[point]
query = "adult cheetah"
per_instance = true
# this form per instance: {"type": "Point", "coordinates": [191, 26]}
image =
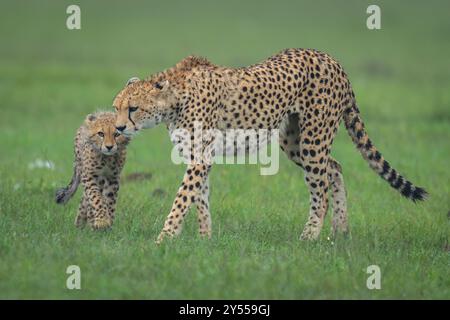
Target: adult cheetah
{"type": "Point", "coordinates": [302, 92]}
{"type": "Point", "coordinates": [100, 153]}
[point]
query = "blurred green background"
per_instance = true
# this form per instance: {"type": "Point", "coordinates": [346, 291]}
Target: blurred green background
{"type": "Point", "coordinates": [51, 77]}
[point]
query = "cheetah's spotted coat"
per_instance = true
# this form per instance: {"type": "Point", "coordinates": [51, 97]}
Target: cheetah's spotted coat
{"type": "Point", "coordinates": [100, 153]}
{"type": "Point", "coordinates": [304, 93]}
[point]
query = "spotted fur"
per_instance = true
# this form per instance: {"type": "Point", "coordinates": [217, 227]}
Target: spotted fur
{"type": "Point", "coordinates": [100, 153]}
{"type": "Point", "coordinates": [304, 93]}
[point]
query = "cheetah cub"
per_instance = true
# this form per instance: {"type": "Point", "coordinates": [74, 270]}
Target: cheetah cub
{"type": "Point", "coordinates": [100, 153]}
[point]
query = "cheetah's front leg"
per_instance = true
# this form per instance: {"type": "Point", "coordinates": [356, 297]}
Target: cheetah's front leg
{"type": "Point", "coordinates": [203, 215]}
{"type": "Point", "coordinates": [98, 216]}
{"type": "Point", "coordinates": [190, 190]}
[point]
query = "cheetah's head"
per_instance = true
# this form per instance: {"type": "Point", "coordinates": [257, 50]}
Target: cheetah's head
{"type": "Point", "coordinates": [143, 104]}
{"type": "Point", "coordinates": [102, 133]}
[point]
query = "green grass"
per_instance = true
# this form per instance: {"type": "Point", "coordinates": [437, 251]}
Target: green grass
{"type": "Point", "coordinates": [51, 78]}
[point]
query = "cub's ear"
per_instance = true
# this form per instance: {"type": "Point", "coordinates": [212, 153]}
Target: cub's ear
{"type": "Point", "coordinates": [132, 80]}
{"type": "Point", "coordinates": [91, 118]}
{"type": "Point", "coordinates": [162, 85]}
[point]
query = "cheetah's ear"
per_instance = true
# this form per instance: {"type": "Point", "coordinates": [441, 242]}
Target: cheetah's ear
{"type": "Point", "coordinates": [132, 80]}
{"type": "Point", "coordinates": [90, 118]}
{"type": "Point", "coordinates": [162, 85]}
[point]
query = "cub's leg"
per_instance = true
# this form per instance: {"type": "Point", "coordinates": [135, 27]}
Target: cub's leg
{"type": "Point", "coordinates": [338, 195]}
{"type": "Point", "coordinates": [98, 217]}
{"type": "Point", "coordinates": [203, 215]}
{"type": "Point", "coordinates": [110, 192]}
{"type": "Point", "coordinates": [82, 214]}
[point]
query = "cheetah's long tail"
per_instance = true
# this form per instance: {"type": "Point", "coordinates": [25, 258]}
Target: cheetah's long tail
{"type": "Point", "coordinates": [64, 194]}
{"type": "Point", "coordinates": [355, 128]}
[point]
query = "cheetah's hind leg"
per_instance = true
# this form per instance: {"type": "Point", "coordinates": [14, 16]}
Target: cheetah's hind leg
{"type": "Point", "coordinates": [307, 156]}
{"type": "Point", "coordinates": [339, 198]}
{"type": "Point", "coordinates": [203, 214]}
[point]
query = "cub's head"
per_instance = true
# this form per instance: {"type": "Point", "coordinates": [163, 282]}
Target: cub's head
{"type": "Point", "coordinates": [143, 104]}
{"type": "Point", "coordinates": [102, 134]}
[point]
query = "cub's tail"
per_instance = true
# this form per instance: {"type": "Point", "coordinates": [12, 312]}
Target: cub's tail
{"type": "Point", "coordinates": [355, 128]}
{"type": "Point", "coordinates": [64, 194]}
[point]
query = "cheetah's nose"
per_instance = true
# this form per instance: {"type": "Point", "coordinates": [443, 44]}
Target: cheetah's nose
{"type": "Point", "coordinates": [121, 128]}
{"type": "Point", "coordinates": [109, 148]}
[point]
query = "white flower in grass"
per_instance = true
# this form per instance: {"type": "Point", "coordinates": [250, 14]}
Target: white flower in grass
{"type": "Point", "coordinates": [41, 164]}
{"type": "Point", "coordinates": [330, 240]}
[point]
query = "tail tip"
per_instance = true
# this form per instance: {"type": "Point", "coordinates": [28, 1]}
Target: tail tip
{"type": "Point", "coordinates": [61, 196]}
{"type": "Point", "coordinates": [419, 194]}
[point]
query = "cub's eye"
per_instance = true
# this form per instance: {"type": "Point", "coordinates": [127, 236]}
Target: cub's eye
{"type": "Point", "coordinates": [101, 134]}
{"type": "Point", "coordinates": [132, 109]}
{"type": "Point", "coordinates": [116, 134]}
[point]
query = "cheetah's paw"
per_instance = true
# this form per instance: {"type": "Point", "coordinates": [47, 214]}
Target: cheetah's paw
{"type": "Point", "coordinates": [102, 223]}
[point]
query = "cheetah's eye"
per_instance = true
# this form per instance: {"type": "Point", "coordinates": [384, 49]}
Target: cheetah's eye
{"type": "Point", "coordinates": [116, 134]}
{"type": "Point", "coordinates": [101, 134]}
{"type": "Point", "coordinates": [132, 109]}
